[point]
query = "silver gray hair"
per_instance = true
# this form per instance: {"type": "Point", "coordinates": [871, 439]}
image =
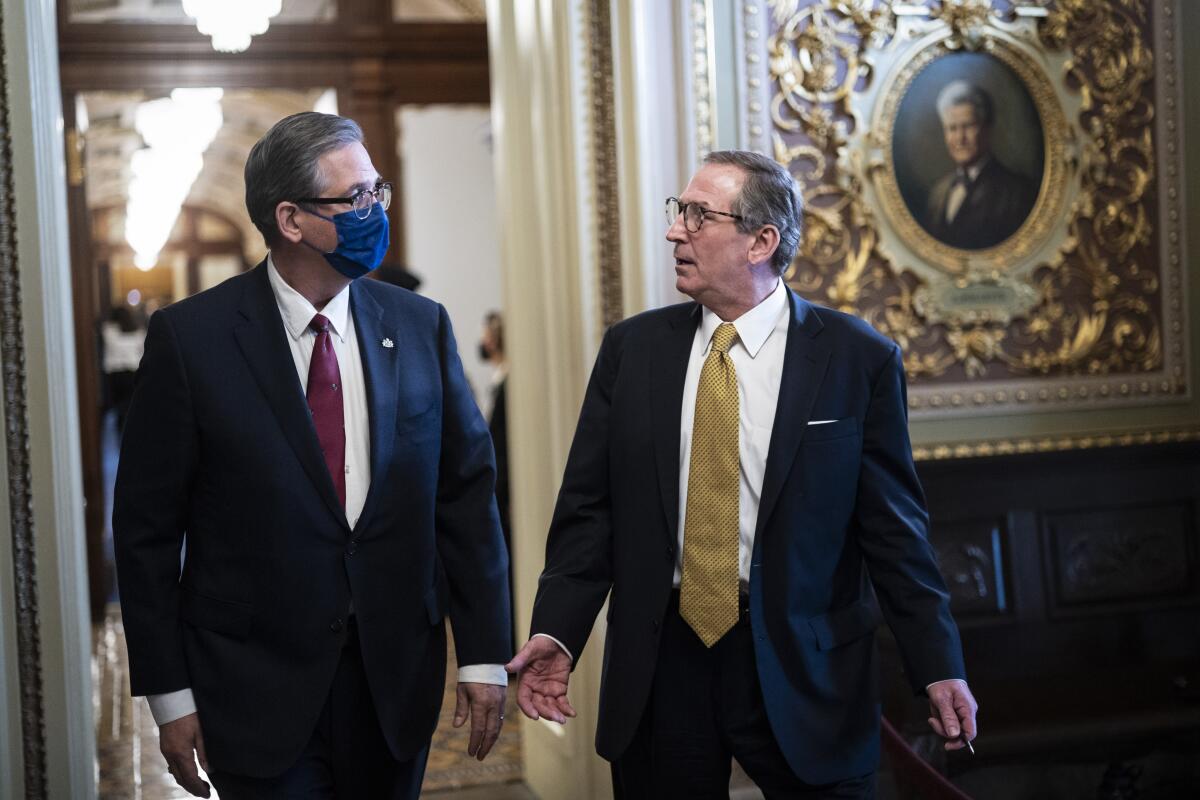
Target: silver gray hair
{"type": "Point", "coordinates": [284, 164]}
{"type": "Point", "coordinates": [965, 93]}
{"type": "Point", "coordinates": [769, 196]}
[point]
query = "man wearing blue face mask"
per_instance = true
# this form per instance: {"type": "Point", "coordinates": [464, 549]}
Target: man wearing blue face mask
{"type": "Point", "coordinates": [312, 438]}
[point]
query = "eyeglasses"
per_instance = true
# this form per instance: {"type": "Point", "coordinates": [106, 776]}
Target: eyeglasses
{"type": "Point", "coordinates": [693, 214]}
{"type": "Point", "coordinates": [361, 201]}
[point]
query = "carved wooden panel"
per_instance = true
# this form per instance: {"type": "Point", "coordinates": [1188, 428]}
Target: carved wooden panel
{"type": "Point", "coordinates": [1101, 557]}
{"type": "Point", "coordinates": [972, 557]}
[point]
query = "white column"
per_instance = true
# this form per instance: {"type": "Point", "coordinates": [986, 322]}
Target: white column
{"type": "Point", "coordinates": [544, 216]}
{"type": "Point", "coordinates": [652, 88]}
{"type": "Point", "coordinates": [545, 118]}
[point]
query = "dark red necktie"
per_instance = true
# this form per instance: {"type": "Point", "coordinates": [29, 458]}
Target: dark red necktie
{"type": "Point", "coordinates": [325, 401]}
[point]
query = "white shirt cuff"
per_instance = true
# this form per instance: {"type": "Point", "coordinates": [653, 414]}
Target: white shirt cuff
{"type": "Point", "coordinates": [960, 680]}
{"type": "Point", "coordinates": [483, 673]}
{"type": "Point", "coordinates": [561, 646]}
{"type": "Point", "coordinates": [171, 706]}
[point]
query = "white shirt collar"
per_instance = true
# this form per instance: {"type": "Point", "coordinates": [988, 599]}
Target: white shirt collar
{"type": "Point", "coordinates": [297, 312]}
{"type": "Point", "coordinates": [756, 325]}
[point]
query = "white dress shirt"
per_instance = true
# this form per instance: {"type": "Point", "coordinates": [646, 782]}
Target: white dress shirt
{"type": "Point", "coordinates": [297, 313]}
{"type": "Point", "coordinates": [958, 192]}
{"type": "Point", "coordinates": [758, 360]}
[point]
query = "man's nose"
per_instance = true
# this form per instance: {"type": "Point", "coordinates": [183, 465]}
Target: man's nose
{"type": "Point", "coordinates": [678, 231]}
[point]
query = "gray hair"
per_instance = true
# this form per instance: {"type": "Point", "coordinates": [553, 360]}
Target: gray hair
{"type": "Point", "coordinates": [284, 164]}
{"type": "Point", "coordinates": [964, 93]}
{"type": "Point", "coordinates": [769, 196]}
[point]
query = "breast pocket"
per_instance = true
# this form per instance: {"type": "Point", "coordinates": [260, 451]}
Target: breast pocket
{"type": "Point", "coordinates": [831, 455]}
{"type": "Point", "coordinates": [827, 431]}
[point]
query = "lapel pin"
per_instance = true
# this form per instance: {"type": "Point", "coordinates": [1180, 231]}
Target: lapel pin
{"type": "Point", "coordinates": [388, 343]}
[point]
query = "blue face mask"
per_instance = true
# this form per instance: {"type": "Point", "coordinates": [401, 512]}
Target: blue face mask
{"type": "Point", "coordinates": [361, 242]}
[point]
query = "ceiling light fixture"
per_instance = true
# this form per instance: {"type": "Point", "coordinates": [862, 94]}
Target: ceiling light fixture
{"type": "Point", "coordinates": [231, 23]}
{"type": "Point", "coordinates": [177, 130]}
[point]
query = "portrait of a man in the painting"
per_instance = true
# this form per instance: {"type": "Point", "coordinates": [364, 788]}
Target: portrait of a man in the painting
{"type": "Point", "coordinates": [968, 166]}
{"type": "Point", "coordinates": [981, 202]}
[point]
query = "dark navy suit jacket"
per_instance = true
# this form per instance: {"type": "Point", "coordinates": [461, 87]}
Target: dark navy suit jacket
{"type": "Point", "coordinates": [841, 513]}
{"type": "Point", "coordinates": [219, 446]}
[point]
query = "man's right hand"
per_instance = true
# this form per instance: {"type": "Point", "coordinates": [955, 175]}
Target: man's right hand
{"type": "Point", "coordinates": [178, 740]}
{"type": "Point", "coordinates": [543, 669]}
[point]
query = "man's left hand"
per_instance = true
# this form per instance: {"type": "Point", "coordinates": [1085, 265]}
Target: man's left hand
{"type": "Point", "coordinates": [484, 702]}
{"type": "Point", "coordinates": [952, 710]}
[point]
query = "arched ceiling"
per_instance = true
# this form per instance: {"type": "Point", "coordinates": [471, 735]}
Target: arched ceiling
{"type": "Point", "coordinates": [111, 139]}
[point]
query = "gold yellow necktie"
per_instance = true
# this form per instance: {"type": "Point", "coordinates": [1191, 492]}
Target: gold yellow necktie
{"type": "Point", "coordinates": [708, 589]}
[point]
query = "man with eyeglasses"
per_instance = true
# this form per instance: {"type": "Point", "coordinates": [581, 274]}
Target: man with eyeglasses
{"type": "Point", "coordinates": [312, 438]}
{"type": "Point", "coordinates": [741, 488]}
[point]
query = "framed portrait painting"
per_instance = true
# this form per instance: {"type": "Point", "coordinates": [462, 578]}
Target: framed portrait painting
{"type": "Point", "coordinates": [997, 186]}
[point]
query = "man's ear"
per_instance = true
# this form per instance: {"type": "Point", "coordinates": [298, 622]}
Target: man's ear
{"type": "Point", "coordinates": [765, 243]}
{"type": "Point", "coordinates": [286, 220]}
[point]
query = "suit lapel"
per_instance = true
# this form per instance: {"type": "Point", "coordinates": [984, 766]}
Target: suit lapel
{"type": "Point", "coordinates": [381, 374]}
{"type": "Point", "coordinates": [805, 360]}
{"type": "Point", "coordinates": [263, 342]}
{"type": "Point", "coordinates": [668, 371]}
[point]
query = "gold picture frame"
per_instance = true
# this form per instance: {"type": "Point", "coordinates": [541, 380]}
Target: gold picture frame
{"type": "Point", "coordinates": [1060, 335]}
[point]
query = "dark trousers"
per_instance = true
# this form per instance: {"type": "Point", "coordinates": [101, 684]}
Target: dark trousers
{"type": "Point", "coordinates": [347, 756]}
{"type": "Point", "coordinates": [706, 708]}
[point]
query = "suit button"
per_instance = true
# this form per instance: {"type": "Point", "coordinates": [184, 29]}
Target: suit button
{"type": "Point", "coordinates": [352, 548]}
{"type": "Point", "coordinates": [654, 624]}
{"type": "Point", "coordinates": [670, 553]}
{"type": "Point", "coordinates": [336, 625]}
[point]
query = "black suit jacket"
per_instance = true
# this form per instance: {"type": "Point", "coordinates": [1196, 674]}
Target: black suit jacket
{"type": "Point", "coordinates": [998, 202]}
{"type": "Point", "coordinates": [220, 447]}
{"type": "Point", "coordinates": [841, 511]}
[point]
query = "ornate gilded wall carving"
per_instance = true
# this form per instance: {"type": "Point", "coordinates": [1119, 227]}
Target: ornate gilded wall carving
{"type": "Point", "coordinates": [1082, 303]}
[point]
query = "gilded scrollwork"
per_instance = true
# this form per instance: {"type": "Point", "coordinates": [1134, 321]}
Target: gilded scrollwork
{"type": "Point", "coordinates": [1078, 291]}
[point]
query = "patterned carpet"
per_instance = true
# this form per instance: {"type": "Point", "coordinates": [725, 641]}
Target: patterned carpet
{"type": "Point", "coordinates": [130, 767]}
{"type": "Point", "coordinates": [449, 765]}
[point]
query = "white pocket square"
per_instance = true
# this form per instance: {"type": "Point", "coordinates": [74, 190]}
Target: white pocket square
{"type": "Point", "coordinates": [822, 421]}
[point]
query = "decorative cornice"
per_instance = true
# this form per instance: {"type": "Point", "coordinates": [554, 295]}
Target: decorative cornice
{"type": "Point", "coordinates": [1053, 443]}
{"type": "Point", "coordinates": [20, 479]}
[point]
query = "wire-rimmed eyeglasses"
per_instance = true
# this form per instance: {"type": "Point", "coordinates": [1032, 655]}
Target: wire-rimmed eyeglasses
{"type": "Point", "coordinates": [693, 214]}
{"type": "Point", "coordinates": [361, 201]}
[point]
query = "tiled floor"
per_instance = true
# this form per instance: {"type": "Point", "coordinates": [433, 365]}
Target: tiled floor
{"type": "Point", "coordinates": [131, 768]}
